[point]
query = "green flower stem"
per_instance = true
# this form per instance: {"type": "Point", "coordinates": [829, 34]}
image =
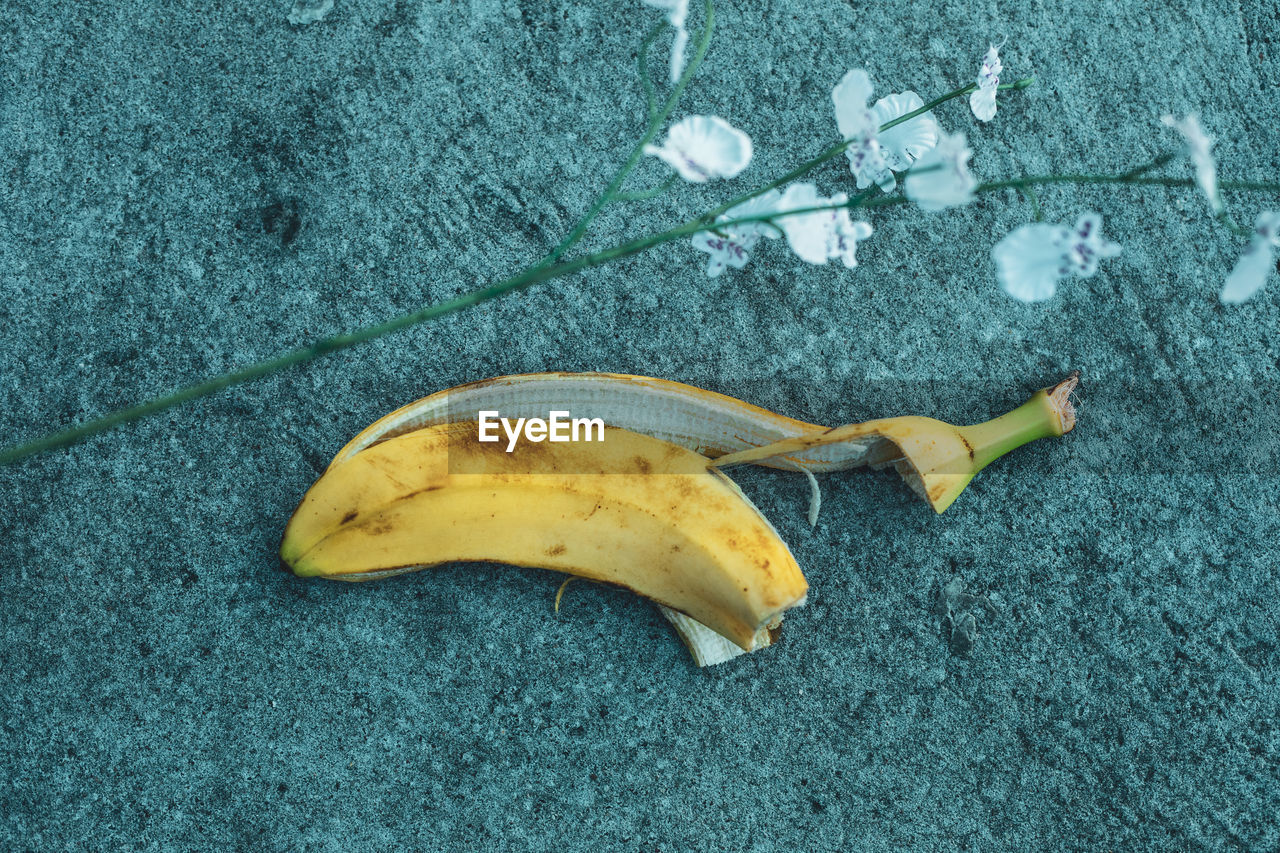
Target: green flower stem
{"type": "Point", "coordinates": [1037, 180]}
{"type": "Point", "coordinates": [838, 148]}
{"type": "Point", "coordinates": [655, 124]}
{"type": "Point", "coordinates": [642, 67]}
{"type": "Point", "coordinates": [1133, 177]}
{"type": "Point", "coordinates": [1138, 177]}
{"type": "Point", "coordinates": [645, 195]}
{"type": "Point", "coordinates": [1149, 167]}
{"type": "Point", "coordinates": [1034, 198]}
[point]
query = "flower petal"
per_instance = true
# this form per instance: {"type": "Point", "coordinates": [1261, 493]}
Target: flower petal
{"type": "Point", "coordinates": [701, 148]}
{"type": "Point", "coordinates": [762, 205]}
{"type": "Point", "coordinates": [1030, 260]}
{"type": "Point", "coordinates": [845, 237]}
{"type": "Point", "coordinates": [941, 179]}
{"type": "Point", "coordinates": [824, 234]}
{"type": "Point", "coordinates": [724, 251]}
{"type": "Point", "coordinates": [1088, 247]}
{"type": "Point", "coordinates": [983, 104]}
{"type": "Point", "coordinates": [866, 163]}
{"type": "Point", "coordinates": [1254, 266]}
{"type": "Point", "coordinates": [903, 144]}
{"type": "Point", "coordinates": [850, 97]}
{"type": "Point", "coordinates": [1248, 275]}
{"type": "Point", "coordinates": [1198, 149]}
{"type": "Point", "coordinates": [806, 233]}
{"type": "Point", "coordinates": [677, 11]}
{"type": "Point", "coordinates": [678, 47]}
{"type": "Point", "coordinates": [731, 245]}
{"type": "Point", "coordinates": [983, 101]}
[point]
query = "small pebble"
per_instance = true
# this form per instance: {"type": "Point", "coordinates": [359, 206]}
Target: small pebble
{"type": "Point", "coordinates": [309, 11]}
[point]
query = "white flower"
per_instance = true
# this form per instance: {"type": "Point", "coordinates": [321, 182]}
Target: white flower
{"type": "Point", "coordinates": [1251, 271]}
{"type": "Point", "coordinates": [824, 234]}
{"type": "Point", "coordinates": [704, 147]}
{"type": "Point", "coordinates": [1198, 146]}
{"type": "Point", "coordinates": [677, 11]}
{"type": "Point", "coordinates": [1032, 258]}
{"type": "Point", "coordinates": [875, 156]}
{"type": "Point", "coordinates": [983, 101]}
{"type": "Point", "coordinates": [941, 178]}
{"type": "Point", "coordinates": [856, 123]}
{"type": "Point", "coordinates": [731, 246]}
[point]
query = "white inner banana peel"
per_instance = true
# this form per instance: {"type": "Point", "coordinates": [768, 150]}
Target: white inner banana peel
{"type": "Point", "coordinates": [703, 421]}
{"type": "Point", "coordinates": [414, 489]}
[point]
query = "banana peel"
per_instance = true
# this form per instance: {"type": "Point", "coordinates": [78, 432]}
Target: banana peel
{"type": "Point", "coordinates": [415, 489]}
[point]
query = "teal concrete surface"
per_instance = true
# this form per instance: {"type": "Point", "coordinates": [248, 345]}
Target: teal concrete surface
{"type": "Point", "coordinates": [189, 188]}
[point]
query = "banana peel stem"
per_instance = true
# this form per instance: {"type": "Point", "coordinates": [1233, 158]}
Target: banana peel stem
{"type": "Point", "coordinates": [939, 459]}
{"type": "Point", "coordinates": [1049, 413]}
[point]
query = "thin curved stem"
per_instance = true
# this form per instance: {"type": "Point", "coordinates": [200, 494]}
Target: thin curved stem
{"type": "Point", "coordinates": [1034, 198]}
{"type": "Point", "coordinates": [645, 195]}
{"type": "Point", "coordinates": [655, 125]}
{"type": "Point", "coordinates": [1140, 180]}
{"type": "Point", "coordinates": [642, 61]}
{"type": "Point", "coordinates": [1149, 167]}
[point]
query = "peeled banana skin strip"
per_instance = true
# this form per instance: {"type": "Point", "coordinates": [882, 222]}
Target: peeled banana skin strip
{"type": "Point", "coordinates": [703, 421]}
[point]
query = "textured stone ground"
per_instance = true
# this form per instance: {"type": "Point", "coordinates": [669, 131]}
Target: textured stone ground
{"type": "Point", "coordinates": [186, 188]}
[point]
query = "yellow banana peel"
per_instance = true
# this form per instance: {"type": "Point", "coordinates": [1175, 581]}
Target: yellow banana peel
{"type": "Point", "coordinates": [647, 509]}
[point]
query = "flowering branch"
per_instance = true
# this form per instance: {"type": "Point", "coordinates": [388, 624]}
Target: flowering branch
{"type": "Point", "coordinates": [533, 275]}
{"type": "Point", "coordinates": [896, 134]}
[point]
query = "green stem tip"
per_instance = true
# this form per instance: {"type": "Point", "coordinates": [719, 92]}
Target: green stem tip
{"type": "Point", "coordinates": [1047, 414]}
